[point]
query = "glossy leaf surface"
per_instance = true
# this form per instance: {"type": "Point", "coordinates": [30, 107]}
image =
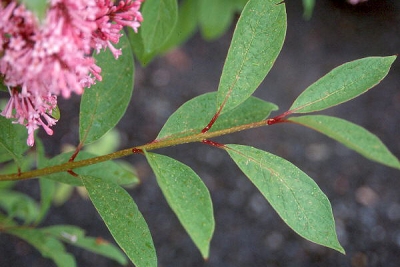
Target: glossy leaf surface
{"type": "Point", "coordinates": [351, 135]}
{"type": "Point", "coordinates": [342, 84]}
{"type": "Point", "coordinates": [256, 43]}
{"type": "Point", "coordinates": [195, 114]}
{"type": "Point", "coordinates": [293, 194]}
{"type": "Point", "coordinates": [103, 104]}
{"type": "Point", "coordinates": [123, 219]}
{"type": "Point", "coordinates": [187, 196]}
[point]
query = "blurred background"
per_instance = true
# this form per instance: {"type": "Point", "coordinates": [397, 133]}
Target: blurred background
{"type": "Point", "coordinates": [364, 195]}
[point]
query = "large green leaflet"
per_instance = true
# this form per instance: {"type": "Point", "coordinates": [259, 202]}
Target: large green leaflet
{"type": "Point", "coordinates": [292, 193]}
{"type": "Point", "coordinates": [124, 220]}
{"type": "Point", "coordinates": [342, 84]}
{"type": "Point", "coordinates": [103, 105]}
{"type": "Point", "coordinates": [196, 113]}
{"type": "Point", "coordinates": [256, 43]}
{"type": "Point", "coordinates": [188, 197]}
{"type": "Point", "coordinates": [351, 135]}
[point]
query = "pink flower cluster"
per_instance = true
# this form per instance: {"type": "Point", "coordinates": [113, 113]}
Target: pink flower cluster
{"type": "Point", "coordinates": [355, 2]}
{"type": "Point", "coordinates": [40, 60]}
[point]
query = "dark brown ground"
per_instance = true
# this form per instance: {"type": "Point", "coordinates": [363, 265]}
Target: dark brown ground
{"type": "Point", "coordinates": [364, 195]}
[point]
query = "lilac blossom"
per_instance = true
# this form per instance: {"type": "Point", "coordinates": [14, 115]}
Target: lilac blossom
{"type": "Point", "coordinates": [40, 60]}
{"type": "Point", "coordinates": [355, 2]}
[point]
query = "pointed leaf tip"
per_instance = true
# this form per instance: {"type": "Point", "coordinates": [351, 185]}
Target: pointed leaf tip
{"type": "Point", "coordinates": [293, 194]}
{"type": "Point", "coordinates": [343, 84]}
{"type": "Point", "coordinates": [187, 196]}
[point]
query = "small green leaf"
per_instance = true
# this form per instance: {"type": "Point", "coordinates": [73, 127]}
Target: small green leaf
{"type": "Point", "coordinates": [351, 135]}
{"type": "Point", "coordinates": [19, 205]}
{"type": "Point", "coordinates": [215, 17]}
{"type": "Point", "coordinates": [12, 140]}
{"type": "Point", "coordinates": [160, 17]}
{"type": "Point", "coordinates": [187, 196]}
{"type": "Point", "coordinates": [47, 245]}
{"type": "Point", "coordinates": [107, 170]}
{"type": "Point", "coordinates": [342, 84]}
{"type": "Point", "coordinates": [308, 6]}
{"type": "Point", "coordinates": [256, 43]}
{"type": "Point", "coordinates": [185, 26]}
{"type": "Point", "coordinates": [47, 190]}
{"type": "Point", "coordinates": [39, 7]}
{"type": "Point", "coordinates": [123, 219]}
{"type": "Point", "coordinates": [76, 236]}
{"type": "Point", "coordinates": [195, 114]}
{"type": "Point", "coordinates": [103, 105]}
{"type": "Point", "coordinates": [293, 194]}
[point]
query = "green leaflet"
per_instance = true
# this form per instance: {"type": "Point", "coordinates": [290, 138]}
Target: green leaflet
{"type": "Point", "coordinates": [293, 194]}
{"type": "Point", "coordinates": [342, 84]}
{"type": "Point", "coordinates": [215, 21]}
{"type": "Point", "coordinates": [196, 113]}
{"type": "Point", "coordinates": [107, 170]}
{"type": "Point", "coordinates": [187, 196]}
{"type": "Point", "coordinates": [160, 17]}
{"type": "Point", "coordinates": [19, 205]}
{"type": "Point", "coordinates": [103, 105]}
{"type": "Point", "coordinates": [185, 26]}
{"type": "Point", "coordinates": [123, 219]}
{"type": "Point", "coordinates": [48, 246]}
{"type": "Point", "coordinates": [351, 135]}
{"type": "Point", "coordinates": [256, 43]}
{"type": "Point", "coordinates": [76, 236]}
{"type": "Point", "coordinates": [39, 7]}
{"type": "Point", "coordinates": [12, 141]}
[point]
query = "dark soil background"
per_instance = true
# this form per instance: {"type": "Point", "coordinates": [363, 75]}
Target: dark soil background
{"type": "Point", "coordinates": [364, 195]}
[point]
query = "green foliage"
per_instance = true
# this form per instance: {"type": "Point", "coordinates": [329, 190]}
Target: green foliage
{"type": "Point", "coordinates": [108, 170]}
{"type": "Point", "coordinates": [187, 196]}
{"type": "Point", "coordinates": [291, 192]}
{"type": "Point", "coordinates": [161, 17]}
{"type": "Point", "coordinates": [255, 45]}
{"type": "Point", "coordinates": [37, 6]}
{"type": "Point", "coordinates": [185, 122]}
{"type": "Point", "coordinates": [351, 135]}
{"type": "Point", "coordinates": [103, 105]}
{"type": "Point", "coordinates": [12, 141]}
{"type": "Point", "coordinates": [76, 236]}
{"type": "Point", "coordinates": [342, 84]}
{"type": "Point", "coordinates": [124, 220]}
{"type": "Point", "coordinates": [49, 246]}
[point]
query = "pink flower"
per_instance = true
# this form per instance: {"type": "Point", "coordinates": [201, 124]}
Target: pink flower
{"type": "Point", "coordinates": [355, 2]}
{"type": "Point", "coordinates": [41, 60]}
